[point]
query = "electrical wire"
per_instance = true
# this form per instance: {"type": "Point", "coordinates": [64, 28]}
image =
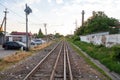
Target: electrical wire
{"type": "Point", "coordinates": [12, 11]}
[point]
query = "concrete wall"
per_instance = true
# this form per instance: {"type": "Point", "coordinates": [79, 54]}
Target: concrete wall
{"type": "Point", "coordinates": [102, 38]}
{"type": "Point", "coordinates": [112, 39]}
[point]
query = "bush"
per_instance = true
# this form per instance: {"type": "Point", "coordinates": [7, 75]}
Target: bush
{"type": "Point", "coordinates": [76, 38]}
{"type": "Point", "coordinates": [116, 50]}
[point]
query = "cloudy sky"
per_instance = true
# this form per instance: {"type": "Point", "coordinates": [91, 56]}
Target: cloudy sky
{"type": "Point", "coordinates": [60, 15]}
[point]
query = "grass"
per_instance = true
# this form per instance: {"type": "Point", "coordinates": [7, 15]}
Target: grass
{"type": "Point", "coordinates": [12, 59]}
{"type": "Point", "coordinates": [39, 47]}
{"type": "Point", "coordinates": [89, 61]}
{"type": "Point", "coordinates": [107, 56]}
{"type": "Point", "coordinates": [19, 55]}
{"type": "Point", "coordinates": [16, 57]}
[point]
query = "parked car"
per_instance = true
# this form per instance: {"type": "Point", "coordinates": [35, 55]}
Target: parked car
{"type": "Point", "coordinates": [43, 41]}
{"type": "Point", "coordinates": [36, 42]}
{"type": "Point", "coordinates": [14, 45]}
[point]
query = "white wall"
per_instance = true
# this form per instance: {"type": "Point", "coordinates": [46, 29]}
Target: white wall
{"type": "Point", "coordinates": [102, 38]}
{"type": "Point", "coordinates": [112, 39]}
{"type": "Point", "coordinates": [84, 38]}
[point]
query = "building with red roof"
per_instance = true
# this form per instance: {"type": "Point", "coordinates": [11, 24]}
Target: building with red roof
{"type": "Point", "coordinates": [18, 36]}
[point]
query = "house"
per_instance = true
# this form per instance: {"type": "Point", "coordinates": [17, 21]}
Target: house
{"type": "Point", "coordinates": [18, 36]}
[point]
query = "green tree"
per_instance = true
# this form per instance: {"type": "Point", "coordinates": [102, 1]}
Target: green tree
{"type": "Point", "coordinates": [40, 34]}
{"type": "Point", "coordinates": [57, 35]}
{"type": "Point", "coordinates": [99, 22]}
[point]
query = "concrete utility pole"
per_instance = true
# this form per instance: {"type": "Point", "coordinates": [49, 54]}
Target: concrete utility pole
{"type": "Point", "coordinates": [76, 24]}
{"type": "Point", "coordinates": [27, 32]}
{"type": "Point", "coordinates": [27, 11]}
{"type": "Point", "coordinates": [83, 17]}
{"type": "Point", "coordinates": [46, 31]}
{"type": "Point", "coordinates": [5, 24]}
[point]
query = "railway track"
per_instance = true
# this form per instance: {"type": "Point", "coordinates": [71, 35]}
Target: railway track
{"type": "Point", "coordinates": [54, 66]}
{"type": "Point", "coordinates": [61, 63]}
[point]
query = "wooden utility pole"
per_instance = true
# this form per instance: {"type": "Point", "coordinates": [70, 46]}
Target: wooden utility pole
{"type": "Point", "coordinates": [83, 17]}
{"type": "Point", "coordinates": [5, 19]}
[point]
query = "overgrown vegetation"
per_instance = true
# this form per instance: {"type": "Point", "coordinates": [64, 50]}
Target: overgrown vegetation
{"type": "Point", "coordinates": [110, 57]}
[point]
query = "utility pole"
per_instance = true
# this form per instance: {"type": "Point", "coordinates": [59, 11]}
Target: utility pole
{"type": "Point", "coordinates": [76, 24]}
{"type": "Point", "coordinates": [27, 11]}
{"type": "Point", "coordinates": [83, 12]}
{"type": "Point", "coordinates": [27, 31]}
{"type": "Point", "coordinates": [5, 18]}
{"type": "Point", "coordinates": [46, 31]}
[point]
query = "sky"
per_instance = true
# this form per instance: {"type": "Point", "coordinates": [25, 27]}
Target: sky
{"type": "Point", "coordinates": [59, 15]}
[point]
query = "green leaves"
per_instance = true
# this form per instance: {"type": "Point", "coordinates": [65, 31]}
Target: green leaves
{"type": "Point", "coordinates": [40, 34]}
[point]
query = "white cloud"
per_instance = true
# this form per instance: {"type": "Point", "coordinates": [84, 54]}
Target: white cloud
{"type": "Point", "coordinates": [59, 1]}
{"type": "Point", "coordinates": [29, 2]}
{"type": "Point", "coordinates": [49, 1]}
{"type": "Point", "coordinates": [32, 1]}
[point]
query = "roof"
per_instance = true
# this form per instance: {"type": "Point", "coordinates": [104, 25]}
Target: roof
{"type": "Point", "coordinates": [21, 33]}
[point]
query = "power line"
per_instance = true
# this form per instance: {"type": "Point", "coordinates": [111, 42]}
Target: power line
{"type": "Point", "coordinates": [20, 15]}
{"type": "Point", "coordinates": [12, 11]}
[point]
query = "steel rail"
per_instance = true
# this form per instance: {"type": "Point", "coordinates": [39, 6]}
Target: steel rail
{"type": "Point", "coordinates": [69, 65]}
{"type": "Point", "coordinates": [36, 67]}
{"type": "Point", "coordinates": [65, 77]}
{"type": "Point", "coordinates": [55, 65]}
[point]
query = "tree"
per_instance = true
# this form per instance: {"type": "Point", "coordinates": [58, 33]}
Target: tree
{"type": "Point", "coordinates": [40, 34]}
{"type": "Point", "coordinates": [99, 22]}
{"type": "Point", "coordinates": [57, 35]}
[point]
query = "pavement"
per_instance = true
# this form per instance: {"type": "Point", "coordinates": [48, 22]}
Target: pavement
{"type": "Point", "coordinates": [112, 75]}
{"type": "Point", "coordinates": [4, 53]}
